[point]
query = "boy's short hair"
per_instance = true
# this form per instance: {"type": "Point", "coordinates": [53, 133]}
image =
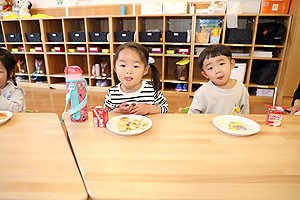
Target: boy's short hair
{"type": "Point", "coordinates": [213, 51]}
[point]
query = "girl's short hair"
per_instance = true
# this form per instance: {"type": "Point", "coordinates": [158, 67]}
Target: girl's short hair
{"type": "Point", "coordinates": [144, 56]}
{"type": "Point", "coordinates": [213, 51]}
{"type": "Point", "coordinates": [9, 62]}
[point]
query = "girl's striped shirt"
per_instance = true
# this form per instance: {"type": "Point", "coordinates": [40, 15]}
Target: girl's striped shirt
{"type": "Point", "coordinates": [146, 94]}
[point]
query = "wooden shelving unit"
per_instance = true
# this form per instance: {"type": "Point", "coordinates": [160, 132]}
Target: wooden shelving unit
{"type": "Point", "coordinates": [55, 62]}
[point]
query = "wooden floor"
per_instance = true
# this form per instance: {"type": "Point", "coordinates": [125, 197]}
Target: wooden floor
{"type": "Point", "coordinates": [53, 101]}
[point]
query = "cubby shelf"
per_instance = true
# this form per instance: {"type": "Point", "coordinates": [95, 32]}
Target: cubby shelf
{"type": "Point", "coordinates": [55, 62]}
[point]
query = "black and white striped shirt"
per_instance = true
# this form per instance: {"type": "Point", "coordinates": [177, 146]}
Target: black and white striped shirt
{"type": "Point", "coordinates": [146, 94]}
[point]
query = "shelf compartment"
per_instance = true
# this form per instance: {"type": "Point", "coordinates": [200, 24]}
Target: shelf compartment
{"type": "Point", "coordinates": [30, 47]}
{"type": "Point", "coordinates": [79, 60]}
{"type": "Point", "coordinates": [170, 88]}
{"type": "Point", "coordinates": [97, 82]}
{"type": "Point", "coordinates": [53, 26]}
{"type": "Point", "coordinates": [244, 22]}
{"type": "Point", "coordinates": [170, 67]}
{"type": "Point", "coordinates": [146, 24]}
{"type": "Point", "coordinates": [31, 64]}
{"type": "Point", "coordinates": [206, 24]}
{"type": "Point", "coordinates": [100, 46]}
{"type": "Point", "coordinates": [262, 27]}
{"type": "Point", "coordinates": [268, 53]}
{"type": "Point", "coordinates": [10, 27]}
{"type": "Point", "coordinates": [31, 26]}
{"type": "Point", "coordinates": [72, 25]}
{"type": "Point", "coordinates": [96, 59]}
{"type": "Point", "coordinates": [77, 47]}
{"type": "Point", "coordinates": [97, 24]}
{"type": "Point", "coordinates": [120, 24]}
{"type": "Point", "coordinates": [264, 72]}
{"type": "Point", "coordinates": [57, 63]}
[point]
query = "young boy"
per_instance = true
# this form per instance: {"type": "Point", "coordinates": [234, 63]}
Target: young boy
{"type": "Point", "coordinates": [221, 95]}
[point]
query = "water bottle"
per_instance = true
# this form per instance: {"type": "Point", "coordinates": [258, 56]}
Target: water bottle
{"type": "Point", "coordinates": [76, 96]}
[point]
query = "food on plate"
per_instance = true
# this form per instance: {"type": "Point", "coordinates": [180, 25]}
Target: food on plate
{"type": "Point", "coordinates": [236, 126]}
{"type": "Point", "coordinates": [3, 116]}
{"type": "Point", "coordinates": [131, 124]}
{"type": "Point", "coordinates": [123, 124]}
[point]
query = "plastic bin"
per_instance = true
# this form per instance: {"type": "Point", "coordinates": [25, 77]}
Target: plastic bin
{"type": "Point", "coordinates": [33, 37]}
{"type": "Point", "coordinates": [238, 72]}
{"type": "Point", "coordinates": [55, 37]}
{"type": "Point", "coordinates": [124, 36]}
{"type": "Point", "coordinates": [77, 36]}
{"type": "Point", "coordinates": [275, 6]}
{"type": "Point", "coordinates": [176, 36]}
{"type": "Point", "coordinates": [98, 36]}
{"type": "Point", "coordinates": [14, 37]}
{"type": "Point", "coordinates": [150, 36]}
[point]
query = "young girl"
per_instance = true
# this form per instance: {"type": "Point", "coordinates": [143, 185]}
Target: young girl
{"type": "Point", "coordinates": [11, 96]}
{"type": "Point", "coordinates": [132, 95]}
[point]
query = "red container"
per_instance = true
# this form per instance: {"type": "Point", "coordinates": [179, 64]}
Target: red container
{"type": "Point", "coordinates": [156, 50]}
{"type": "Point", "coordinates": [95, 49]}
{"type": "Point", "coordinates": [274, 115]}
{"type": "Point", "coordinates": [59, 49]}
{"type": "Point", "coordinates": [184, 51]}
{"type": "Point", "coordinates": [100, 116]}
{"type": "Point", "coordinates": [38, 49]}
{"type": "Point", "coordinates": [81, 49]}
{"type": "Point", "coordinates": [20, 48]}
{"type": "Point", "coordinates": [275, 6]}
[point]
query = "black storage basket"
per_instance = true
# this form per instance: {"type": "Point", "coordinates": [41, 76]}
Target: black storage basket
{"type": "Point", "coordinates": [264, 72]}
{"type": "Point", "coordinates": [33, 37]}
{"type": "Point", "coordinates": [150, 36]}
{"type": "Point", "coordinates": [55, 37]}
{"type": "Point", "coordinates": [176, 36]}
{"type": "Point", "coordinates": [1, 37]}
{"type": "Point", "coordinates": [14, 37]}
{"type": "Point", "coordinates": [124, 36]}
{"type": "Point", "coordinates": [77, 36]}
{"type": "Point", "coordinates": [98, 36]}
{"type": "Point", "coordinates": [238, 36]}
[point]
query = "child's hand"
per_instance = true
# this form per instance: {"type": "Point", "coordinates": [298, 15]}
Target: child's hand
{"type": "Point", "coordinates": [144, 109]}
{"type": "Point", "coordinates": [125, 108]}
{"type": "Point", "coordinates": [140, 109]}
{"type": "Point", "coordinates": [295, 108]}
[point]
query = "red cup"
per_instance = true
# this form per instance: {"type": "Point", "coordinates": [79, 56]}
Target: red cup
{"type": "Point", "coordinates": [274, 115]}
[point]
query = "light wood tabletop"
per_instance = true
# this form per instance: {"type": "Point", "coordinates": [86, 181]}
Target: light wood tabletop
{"type": "Point", "coordinates": [36, 161]}
{"type": "Point", "coordinates": [184, 156]}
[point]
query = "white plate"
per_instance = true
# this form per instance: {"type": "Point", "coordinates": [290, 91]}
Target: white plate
{"type": "Point", "coordinates": [112, 125]}
{"type": "Point", "coordinates": [236, 125]}
{"type": "Point", "coordinates": [9, 115]}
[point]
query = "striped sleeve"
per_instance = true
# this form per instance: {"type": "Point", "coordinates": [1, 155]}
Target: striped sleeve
{"type": "Point", "coordinates": [108, 103]}
{"type": "Point", "coordinates": [161, 101]}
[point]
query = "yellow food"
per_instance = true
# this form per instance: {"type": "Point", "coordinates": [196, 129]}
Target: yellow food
{"type": "Point", "coordinates": [3, 116]}
{"type": "Point", "coordinates": [126, 124]}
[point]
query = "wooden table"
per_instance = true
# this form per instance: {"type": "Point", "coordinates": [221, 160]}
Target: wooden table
{"type": "Point", "coordinates": [186, 157]}
{"type": "Point", "coordinates": [36, 161]}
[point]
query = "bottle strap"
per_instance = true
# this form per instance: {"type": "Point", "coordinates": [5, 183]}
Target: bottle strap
{"type": "Point", "coordinates": [72, 94]}
{"type": "Point", "coordinates": [67, 101]}
{"type": "Point", "coordinates": [35, 72]}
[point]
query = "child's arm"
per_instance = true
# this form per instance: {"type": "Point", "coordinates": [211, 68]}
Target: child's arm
{"type": "Point", "coordinates": [245, 102]}
{"type": "Point", "coordinates": [14, 103]}
{"type": "Point", "coordinates": [145, 109]}
{"type": "Point", "coordinates": [160, 106]}
{"type": "Point", "coordinates": [198, 105]}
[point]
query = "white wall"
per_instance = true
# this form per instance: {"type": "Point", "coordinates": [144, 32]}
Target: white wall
{"type": "Point", "coordinates": [53, 3]}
